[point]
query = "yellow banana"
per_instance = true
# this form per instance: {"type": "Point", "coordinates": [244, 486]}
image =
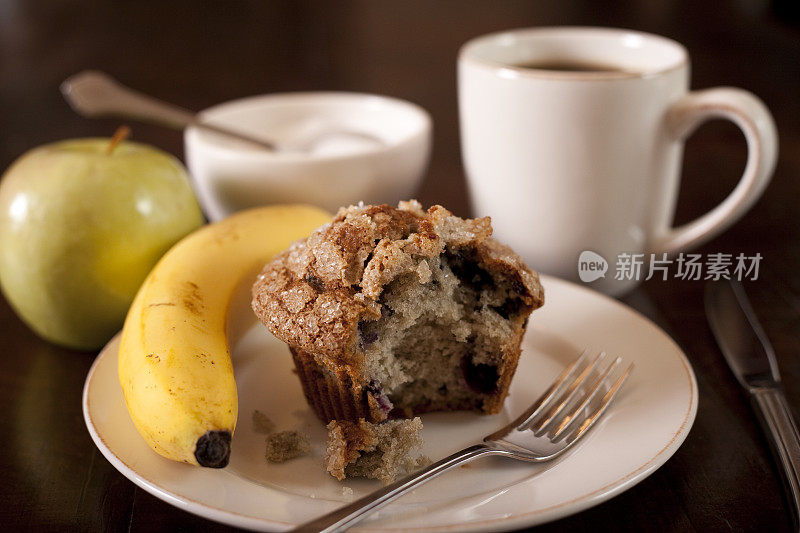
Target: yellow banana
{"type": "Point", "coordinates": [174, 360]}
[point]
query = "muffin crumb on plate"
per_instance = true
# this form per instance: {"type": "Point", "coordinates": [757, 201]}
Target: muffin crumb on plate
{"type": "Point", "coordinates": [285, 445]}
{"type": "Point", "coordinates": [377, 451]}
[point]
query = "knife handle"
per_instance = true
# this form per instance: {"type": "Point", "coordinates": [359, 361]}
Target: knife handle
{"type": "Point", "coordinates": [776, 416]}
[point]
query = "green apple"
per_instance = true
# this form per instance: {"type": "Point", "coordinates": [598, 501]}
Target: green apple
{"type": "Point", "coordinates": [82, 222]}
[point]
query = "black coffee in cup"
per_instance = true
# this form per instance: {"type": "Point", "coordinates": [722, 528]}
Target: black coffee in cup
{"type": "Point", "coordinates": [573, 65]}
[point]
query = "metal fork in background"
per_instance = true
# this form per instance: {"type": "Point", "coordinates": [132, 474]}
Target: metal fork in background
{"type": "Point", "coordinates": [555, 422]}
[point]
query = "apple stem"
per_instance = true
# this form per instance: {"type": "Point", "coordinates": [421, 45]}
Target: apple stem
{"type": "Point", "coordinates": [122, 133]}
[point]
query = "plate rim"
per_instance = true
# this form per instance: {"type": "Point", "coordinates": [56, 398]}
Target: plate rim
{"type": "Point", "coordinates": [529, 518]}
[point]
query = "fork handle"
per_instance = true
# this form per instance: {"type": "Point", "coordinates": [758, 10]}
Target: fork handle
{"type": "Point", "coordinates": [777, 418]}
{"type": "Point", "coordinates": [349, 515]}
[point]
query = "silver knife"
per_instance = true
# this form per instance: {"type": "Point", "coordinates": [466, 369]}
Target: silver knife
{"type": "Point", "coordinates": [751, 358]}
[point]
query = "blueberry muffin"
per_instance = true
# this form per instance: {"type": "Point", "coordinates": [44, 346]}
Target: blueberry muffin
{"type": "Point", "coordinates": [392, 312]}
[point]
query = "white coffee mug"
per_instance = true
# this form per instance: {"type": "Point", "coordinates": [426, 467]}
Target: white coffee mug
{"type": "Point", "coordinates": [572, 140]}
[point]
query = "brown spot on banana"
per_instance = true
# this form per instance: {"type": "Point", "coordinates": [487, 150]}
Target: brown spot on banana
{"type": "Point", "coordinates": [192, 298]}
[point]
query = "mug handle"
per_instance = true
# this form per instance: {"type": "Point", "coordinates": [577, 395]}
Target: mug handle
{"type": "Point", "coordinates": [754, 119]}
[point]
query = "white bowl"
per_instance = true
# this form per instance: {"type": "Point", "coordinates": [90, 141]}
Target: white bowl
{"type": "Point", "coordinates": [230, 175]}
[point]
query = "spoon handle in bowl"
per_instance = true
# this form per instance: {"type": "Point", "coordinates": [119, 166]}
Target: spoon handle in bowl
{"type": "Point", "coordinates": [95, 94]}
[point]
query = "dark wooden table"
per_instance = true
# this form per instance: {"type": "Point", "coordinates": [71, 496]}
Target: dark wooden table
{"type": "Point", "coordinates": [200, 53]}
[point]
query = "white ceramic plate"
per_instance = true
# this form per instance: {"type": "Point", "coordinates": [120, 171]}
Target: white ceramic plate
{"type": "Point", "coordinates": [646, 425]}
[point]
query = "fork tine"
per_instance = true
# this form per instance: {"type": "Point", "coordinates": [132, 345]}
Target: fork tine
{"type": "Point", "coordinates": [569, 395]}
{"type": "Point", "coordinates": [596, 389]}
{"type": "Point", "coordinates": [555, 389]}
{"type": "Point", "coordinates": [606, 401]}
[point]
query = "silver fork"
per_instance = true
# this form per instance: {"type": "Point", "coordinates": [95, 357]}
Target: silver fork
{"type": "Point", "coordinates": [549, 427]}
